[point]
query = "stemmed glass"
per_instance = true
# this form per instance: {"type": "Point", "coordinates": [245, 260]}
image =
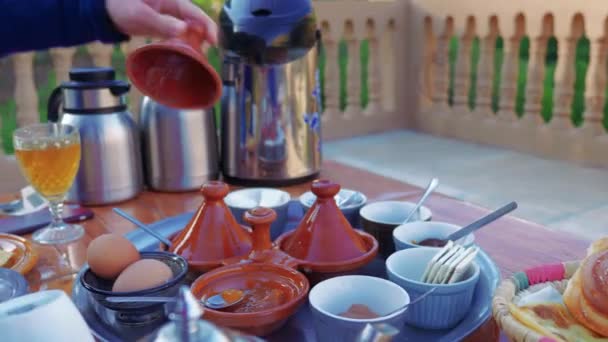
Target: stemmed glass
{"type": "Point", "coordinates": [49, 157]}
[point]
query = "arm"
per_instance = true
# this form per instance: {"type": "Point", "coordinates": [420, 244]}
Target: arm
{"type": "Point", "coordinates": [42, 24]}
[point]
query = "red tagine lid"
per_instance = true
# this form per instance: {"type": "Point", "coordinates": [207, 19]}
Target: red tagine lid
{"type": "Point", "coordinates": [213, 234]}
{"type": "Point", "coordinates": [325, 235]}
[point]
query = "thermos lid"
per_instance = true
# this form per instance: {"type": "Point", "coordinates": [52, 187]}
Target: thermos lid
{"type": "Point", "coordinates": [92, 74]}
{"type": "Point", "coordinates": [96, 78]}
{"type": "Point", "coordinates": [267, 31]}
{"type": "Point", "coordinates": [246, 13]}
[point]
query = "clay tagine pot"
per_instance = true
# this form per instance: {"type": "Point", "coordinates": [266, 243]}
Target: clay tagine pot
{"type": "Point", "coordinates": [324, 241]}
{"type": "Point", "coordinates": [212, 236]}
{"type": "Point", "coordinates": [175, 72]}
{"type": "Point", "coordinates": [274, 290]}
{"type": "Point", "coordinates": [264, 251]}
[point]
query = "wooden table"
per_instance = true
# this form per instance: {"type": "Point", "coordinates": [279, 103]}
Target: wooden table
{"type": "Point", "coordinates": [514, 244]}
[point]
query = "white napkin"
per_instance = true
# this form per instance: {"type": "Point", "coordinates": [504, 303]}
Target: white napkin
{"type": "Point", "coordinates": [547, 295]}
{"type": "Point", "coordinates": [45, 316]}
{"type": "Point", "coordinates": [32, 202]}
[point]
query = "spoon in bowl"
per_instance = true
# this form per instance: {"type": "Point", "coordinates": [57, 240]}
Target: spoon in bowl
{"type": "Point", "coordinates": [215, 302]}
{"type": "Point", "coordinates": [482, 222]}
{"type": "Point", "coordinates": [429, 189]}
{"type": "Point", "coordinates": [344, 200]}
{"type": "Point", "coordinates": [418, 299]}
{"type": "Point", "coordinates": [142, 226]}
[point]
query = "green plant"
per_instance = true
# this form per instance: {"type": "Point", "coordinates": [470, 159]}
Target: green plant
{"type": "Point", "coordinates": [8, 117]}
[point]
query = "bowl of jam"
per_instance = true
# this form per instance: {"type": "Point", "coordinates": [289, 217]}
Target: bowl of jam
{"type": "Point", "coordinates": [427, 234]}
{"type": "Point", "coordinates": [342, 306]}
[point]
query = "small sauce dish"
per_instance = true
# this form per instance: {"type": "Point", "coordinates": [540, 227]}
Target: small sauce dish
{"type": "Point", "coordinates": [410, 235]}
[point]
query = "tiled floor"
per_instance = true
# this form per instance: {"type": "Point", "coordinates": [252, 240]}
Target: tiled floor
{"type": "Point", "coordinates": [561, 195]}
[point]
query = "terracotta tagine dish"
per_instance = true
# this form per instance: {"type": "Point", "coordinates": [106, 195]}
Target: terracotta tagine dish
{"type": "Point", "coordinates": [272, 289]}
{"type": "Point", "coordinates": [212, 235]}
{"type": "Point", "coordinates": [325, 244]}
{"type": "Point", "coordinates": [175, 72]}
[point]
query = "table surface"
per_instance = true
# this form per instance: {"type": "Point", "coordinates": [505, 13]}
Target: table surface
{"type": "Point", "coordinates": [514, 244]}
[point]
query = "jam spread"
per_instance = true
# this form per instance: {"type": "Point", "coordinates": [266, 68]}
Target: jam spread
{"type": "Point", "coordinates": [432, 242]}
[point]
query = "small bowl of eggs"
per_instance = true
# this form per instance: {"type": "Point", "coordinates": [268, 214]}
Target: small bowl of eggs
{"type": "Point", "coordinates": [115, 268]}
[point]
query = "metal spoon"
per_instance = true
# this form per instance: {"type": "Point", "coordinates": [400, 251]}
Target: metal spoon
{"type": "Point", "coordinates": [215, 302]}
{"type": "Point", "coordinates": [143, 226]}
{"type": "Point", "coordinates": [421, 297]}
{"type": "Point", "coordinates": [491, 217]}
{"type": "Point", "coordinates": [429, 189]}
{"type": "Point", "coordinates": [342, 201]}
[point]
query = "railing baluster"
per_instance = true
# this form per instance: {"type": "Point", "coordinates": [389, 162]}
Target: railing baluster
{"type": "Point", "coordinates": [594, 139]}
{"type": "Point", "coordinates": [509, 73]}
{"type": "Point", "coordinates": [485, 73]}
{"type": "Point", "coordinates": [332, 73]}
{"type": "Point", "coordinates": [353, 77]}
{"type": "Point", "coordinates": [373, 70]}
{"type": "Point", "coordinates": [564, 83]}
{"type": "Point", "coordinates": [441, 82]}
{"type": "Point", "coordinates": [462, 74]}
{"type": "Point", "coordinates": [101, 53]}
{"type": "Point", "coordinates": [26, 98]}
{"type": "Point", "coordinates": [388, 67]}
{"type": "Point", "coordinates": [595, 90]}
{"type": "Point", "coordinates": [62, 63]}
{"type": "Point", "coordinates": [535, 82]}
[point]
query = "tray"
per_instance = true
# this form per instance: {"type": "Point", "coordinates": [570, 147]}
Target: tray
{"type": "Point", "coordinates": [299, 327]}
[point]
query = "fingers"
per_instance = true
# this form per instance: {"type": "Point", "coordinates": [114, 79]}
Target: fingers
{"type": "Point", "coordinates": [184, 10]}
{"type": "Point", "coordinates": [157, 24]}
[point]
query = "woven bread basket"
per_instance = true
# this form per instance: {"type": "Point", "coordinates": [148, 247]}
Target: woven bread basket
{"type": "Point", "coordinates": [522, 283]}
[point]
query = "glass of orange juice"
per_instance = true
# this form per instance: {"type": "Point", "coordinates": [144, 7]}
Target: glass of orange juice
{"type": "Point", "coordinates": [49, 157]}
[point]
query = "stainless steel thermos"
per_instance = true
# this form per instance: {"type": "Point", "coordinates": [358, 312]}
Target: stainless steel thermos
{"type": "Point", "coordinates": [179, 147]}
{"type": "Point", "coordinates": [110, 166]}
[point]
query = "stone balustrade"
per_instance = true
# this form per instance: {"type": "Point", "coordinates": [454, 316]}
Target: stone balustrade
{"type": "Point", "coordinates": [442, 25]}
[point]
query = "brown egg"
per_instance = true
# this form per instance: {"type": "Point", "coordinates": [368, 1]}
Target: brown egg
{"type": "Point", "coordinates": [108, 255]}
{"type": "Point", "coordinates": [143, 274]}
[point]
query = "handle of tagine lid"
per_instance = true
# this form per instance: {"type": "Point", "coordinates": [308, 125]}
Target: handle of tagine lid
{"type": "Point", "coordinates": [325, 188]}
{"type": "Point", "coordinates": [260, 220]}
{"type": "Point", "coordinates": [214, 190]}
{"type": "Point", "coordinates": [194, 35]}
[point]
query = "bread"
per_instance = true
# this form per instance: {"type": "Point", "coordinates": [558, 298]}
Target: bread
{"type": "Point", "coordinates": [586, 295]}
{"type": "Point", "coordinates": [598, 246]}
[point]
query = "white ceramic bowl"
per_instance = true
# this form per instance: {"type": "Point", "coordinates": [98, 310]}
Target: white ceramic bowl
{"type": "Point", "coordinates": [350, 210]}
{"type": "Point", "coordinates": [393, 212]}
{"type": "Point", "coordinates": [380, 219]}
{"type": "Point", "coordinates": [406, 234]}
{"type": "Point", "coordinates": [245, 199]}
{"type": "Point", "coordinates": [447, 305]}
{"type": "Point", "coordinates": [331, 297]}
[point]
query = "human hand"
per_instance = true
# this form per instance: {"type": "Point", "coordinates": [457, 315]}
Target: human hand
{"type": "Point", "coordinates": [158, 18]}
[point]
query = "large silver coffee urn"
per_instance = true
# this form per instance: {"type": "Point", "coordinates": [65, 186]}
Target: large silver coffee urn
{"type": "Point", "coordinates": [271, 103]}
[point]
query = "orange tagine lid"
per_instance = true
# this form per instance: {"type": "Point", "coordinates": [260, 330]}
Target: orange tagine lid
{"type": "Point", "coordinates": [325, 235]}
{"type": "Point", "coordinates": [213, 234]}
